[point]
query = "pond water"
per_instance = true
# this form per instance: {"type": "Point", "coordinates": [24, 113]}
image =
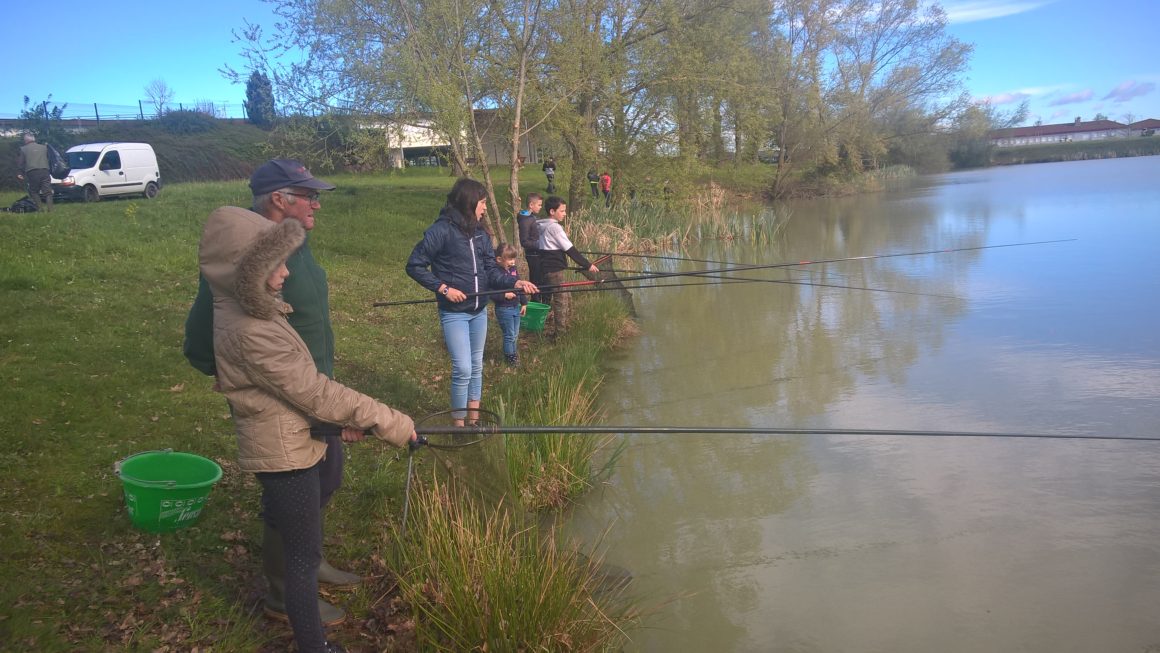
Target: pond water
{"type": "Point", "coordinates": [826, 543]}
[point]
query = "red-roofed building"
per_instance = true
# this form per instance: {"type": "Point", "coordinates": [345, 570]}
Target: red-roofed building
{"type": "Point", "coordinates": [1149, 127]}
{"type": "Point", "coordinates": [1073, 131]}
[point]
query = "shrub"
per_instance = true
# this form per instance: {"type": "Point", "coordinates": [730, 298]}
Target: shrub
{"type": "Point", "coordinates": [187, 122]}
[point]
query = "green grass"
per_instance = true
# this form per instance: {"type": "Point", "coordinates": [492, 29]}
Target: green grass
{"type": "Point", "coordinates": [91, 350]}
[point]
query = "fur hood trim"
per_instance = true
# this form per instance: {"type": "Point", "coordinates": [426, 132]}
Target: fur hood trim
{"type": "Point", "coordinates": [238, 252]}
{"type": "Point", "coordinates": [270, 250]}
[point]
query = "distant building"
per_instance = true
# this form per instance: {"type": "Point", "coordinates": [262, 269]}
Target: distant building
{"type": "Point", "coordinates": [1149, 127]}
{"type": "Point", "coordinates": [415, 141]}
{"type": "Point", "coordinates": [1079, 130]}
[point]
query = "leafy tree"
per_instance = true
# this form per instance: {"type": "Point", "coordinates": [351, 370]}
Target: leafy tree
{"type": "Point", "coordinates": [260, 99]}
{"type": "Point", "coordinates": [971, 146]}
{"type": "Point", "coordinates": [45, 123]}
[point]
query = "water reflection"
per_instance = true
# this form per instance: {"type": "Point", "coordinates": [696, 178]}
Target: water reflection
{"type": "Point", "coordinates": [893, 544]}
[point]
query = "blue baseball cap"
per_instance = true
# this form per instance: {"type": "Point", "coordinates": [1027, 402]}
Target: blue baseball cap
{"type": "Point", "coordinates": [281, 173]}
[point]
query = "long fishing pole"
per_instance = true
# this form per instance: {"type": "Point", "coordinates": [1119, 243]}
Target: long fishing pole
{"type": "Point", "coordinates": [611, 284]}
{"type": "Point", "coordinates": [748, 268]}
{"type": "Point", "coordinates": [740, 268]}
{"type": "Point", "coordinates": [657, 257]}
{"type": "Point", "coordinates": [579, 429]}
{"type": "Point", "coordinates": [483, 432]}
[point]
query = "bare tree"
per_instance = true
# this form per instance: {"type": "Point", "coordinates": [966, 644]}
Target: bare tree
{"type": "Point", "coordinates": [159, 95]}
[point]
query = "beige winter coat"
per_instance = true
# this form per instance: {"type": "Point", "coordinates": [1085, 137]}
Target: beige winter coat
{"type": "Point", "coordinates": [263, 366]}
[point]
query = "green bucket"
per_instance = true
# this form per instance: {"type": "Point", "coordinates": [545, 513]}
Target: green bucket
{"type": "Point", "coordinates": [534, 318]}
{"type": "Point", "coordinates": [166, 490]}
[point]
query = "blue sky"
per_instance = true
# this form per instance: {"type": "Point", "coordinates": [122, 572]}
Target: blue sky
{"type": "Point", "coordinates": [1069, 58]}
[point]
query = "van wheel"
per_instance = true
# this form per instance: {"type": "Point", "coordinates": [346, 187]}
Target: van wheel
{"type": "Point", "coordinates": [151, 190]}
{"type": "Point", "coordinates": [91, 194]}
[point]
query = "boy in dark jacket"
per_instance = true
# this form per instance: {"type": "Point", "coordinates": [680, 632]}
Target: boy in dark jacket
{"type": "Point", "coordinates": [530, 238]}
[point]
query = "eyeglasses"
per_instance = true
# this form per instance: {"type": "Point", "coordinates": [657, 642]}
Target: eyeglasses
{"type": "Point", "coordinates": [309, 197]}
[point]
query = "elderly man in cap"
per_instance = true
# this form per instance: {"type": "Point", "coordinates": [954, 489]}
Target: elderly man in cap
{"type": "Point", "coordinates": [32, 165]}
{"type": "Point", "coordinates": [284, 189]}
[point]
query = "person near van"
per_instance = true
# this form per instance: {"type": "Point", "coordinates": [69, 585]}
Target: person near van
{"type": "Point", "coordinates": [32, 162]}
{"type": "Point", "coordinates": [594, 183]}
{"type": "Point", "coordinates": [284, 189]}
{"type": "Point", "coordinates": [276, 392]}
{"type": "Point", "coordinates": [455, 260]}
{"type": "Point", "coordinates": [554, 247]}
{"type": "Point", "coordinates": [606, 188]}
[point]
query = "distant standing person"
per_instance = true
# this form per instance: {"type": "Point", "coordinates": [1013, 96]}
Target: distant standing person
{"type": "Point", "coordinates": [554, 247]}
{"type": "Point", "coordinates": [530, 238]}
{"type": "Point", "coordinates": [594, 183]}
{"type": "Point", "coordinates": [606, 188]}
{"type": "Point", "coordinates": [455, 258]}
{"type": "Point", "coordinates": [550, 173]}
{"type": "Point", "coordinates": [510, 306]}
{"type": "Point", "coordinates": [32, 162]}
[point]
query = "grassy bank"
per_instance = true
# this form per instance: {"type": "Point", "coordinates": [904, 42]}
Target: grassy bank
{"type": "Point", "coordinates": [92, 352]}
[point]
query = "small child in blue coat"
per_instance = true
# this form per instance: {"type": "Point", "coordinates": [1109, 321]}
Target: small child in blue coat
{"type": "Point", "coordinates": [509, 306]}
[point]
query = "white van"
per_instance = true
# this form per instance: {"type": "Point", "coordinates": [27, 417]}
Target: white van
{"type": "Point", "coordinates": [104, 169]}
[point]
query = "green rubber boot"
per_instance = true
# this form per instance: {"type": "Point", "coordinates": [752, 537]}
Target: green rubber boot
{"type": "Point", "coordinates": [336, 578]}
{"type": "Point", "coordinates": [274, 566]}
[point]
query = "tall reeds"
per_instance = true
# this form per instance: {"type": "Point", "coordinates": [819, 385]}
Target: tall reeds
{"type": "Point", "coordinates": [491, 579]}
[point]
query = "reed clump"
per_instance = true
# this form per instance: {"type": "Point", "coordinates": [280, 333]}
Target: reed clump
{"type": "Point", "coordinates": [547, 472]}
{"type": "Point", "coordinates": [490, 579]}
{"type": "Point", "coordinates": [550, 470]}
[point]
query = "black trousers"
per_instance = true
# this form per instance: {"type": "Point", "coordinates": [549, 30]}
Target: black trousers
{"type": "Point", "coordinates": [290, 502]}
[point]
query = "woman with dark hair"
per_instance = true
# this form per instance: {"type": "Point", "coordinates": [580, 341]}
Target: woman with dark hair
{"type": "Point", "coordinates": [455, 260]}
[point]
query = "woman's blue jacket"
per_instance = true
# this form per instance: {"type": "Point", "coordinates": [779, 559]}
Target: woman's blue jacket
{"type": "Point", "coordinates": [446, 255]}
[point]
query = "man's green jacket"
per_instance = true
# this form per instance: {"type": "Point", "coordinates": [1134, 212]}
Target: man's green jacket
{"type": "Point", "coordinates": [305, 289]}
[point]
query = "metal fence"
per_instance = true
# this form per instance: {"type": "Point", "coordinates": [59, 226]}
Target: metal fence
{"type": "Point", "coordinates": [142, 110]}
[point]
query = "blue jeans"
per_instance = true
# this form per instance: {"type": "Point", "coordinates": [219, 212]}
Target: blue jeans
{"type": "Point", "coordinates": [509, 322]}
{"type": "Point", "coordinates": [464, 334]}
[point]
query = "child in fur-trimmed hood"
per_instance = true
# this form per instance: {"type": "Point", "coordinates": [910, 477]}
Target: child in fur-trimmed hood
{"type": "Point", "coordinates": [274, 390]}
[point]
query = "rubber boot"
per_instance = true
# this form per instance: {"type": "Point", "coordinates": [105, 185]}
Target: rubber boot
{"type": "Point", "coordinates": [336, 578]}
{"type": "Point", "coordinates": [274, 566]}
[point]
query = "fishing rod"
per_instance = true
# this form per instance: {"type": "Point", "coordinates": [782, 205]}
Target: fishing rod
{"type": "Point", "coordinates": [770, 266]}
{"type": "Point", "coordinates": [739, 268]}
{"type": "Point", "coordinates": [485, 431]}
{"type": "Point", "coordinates": [657, 257]}
{"type": "Point", "coordinates": [614, 284]}
{"type": "Point", "coordinates": [611, 284]}
{"type": "Point", "coordinates": [482, 432]}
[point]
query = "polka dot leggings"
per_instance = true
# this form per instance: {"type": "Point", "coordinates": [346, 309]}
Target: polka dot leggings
{"type": "Point", "coordinates": [291, 507]}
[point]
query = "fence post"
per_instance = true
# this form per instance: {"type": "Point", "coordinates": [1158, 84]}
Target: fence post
{"type": "Point", "coordinates": [140, 110]}
{"type": "Point", "coordinates": [97, 113]}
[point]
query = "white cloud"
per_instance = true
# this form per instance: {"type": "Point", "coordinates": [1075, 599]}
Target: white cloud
{"type": "Point", "coordinates": [1072, 98]}
{"type": "Point", "coordinates": [1128, 90]}
{"type": "Point", "coordinates": [969, 11]}
{"type": "Point", "coordinates": [1007, 98]}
